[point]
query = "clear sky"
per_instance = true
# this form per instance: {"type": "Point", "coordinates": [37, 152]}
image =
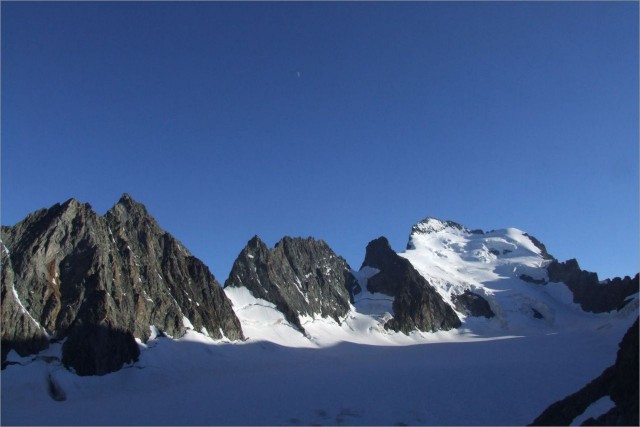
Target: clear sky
{"type": "Point", "coordinates": [342, 121]}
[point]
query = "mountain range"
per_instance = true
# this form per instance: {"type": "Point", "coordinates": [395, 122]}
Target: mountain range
{"type": "Point", "coordinates": [85, 295]}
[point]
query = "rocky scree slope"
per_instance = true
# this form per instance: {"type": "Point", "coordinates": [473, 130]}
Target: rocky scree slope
{"type": "Point", "coordinates": [302, 277]}
{"type": "Point", "coordinates": [100, 281]}
{"type": "Point", "coordinates": [416, 304]}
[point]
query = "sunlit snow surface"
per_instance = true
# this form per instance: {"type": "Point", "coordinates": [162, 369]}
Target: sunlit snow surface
{"type": "Point", "coordinates": [454, 260]}
{"type": "Point", "coordinates": [504, 370]}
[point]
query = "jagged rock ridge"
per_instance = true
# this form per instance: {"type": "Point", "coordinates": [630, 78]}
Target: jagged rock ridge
{"type": "Point", "coordinates": [416, 304]}
{"type": "Point", "coordinates": [587, 290]}
{"type": "Point", "coordinates": [79, 274]}
{"type": "Point", "coordinates": [302, 277]}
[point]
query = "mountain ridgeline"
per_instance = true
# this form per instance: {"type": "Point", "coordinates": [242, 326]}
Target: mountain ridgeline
{"type": "Point", "coordinates": [100, 283]}
{"type": "Point", "coordinates": [302, 277]}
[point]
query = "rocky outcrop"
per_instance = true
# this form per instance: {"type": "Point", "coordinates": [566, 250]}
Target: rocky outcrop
{"type": "Point", "coordinates": [76, 272]}
{"type": "Point", "coordinates": [416, 305]}
{"type": "Point", "coordinates": [591, 294]}
{"type": "Point", "coordinates": [302, 277]}
{"type": "Point", "coordinates": [619, 382]}
{"type": "Point", "coordinates": [473, 305]}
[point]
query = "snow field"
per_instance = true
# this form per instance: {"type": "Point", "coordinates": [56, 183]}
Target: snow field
{"type": "Point", "coordinates": [195, 381]}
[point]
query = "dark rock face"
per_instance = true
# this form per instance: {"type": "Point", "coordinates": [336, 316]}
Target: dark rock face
{"type": "Point", "coordinates": [92, 349]}
{"type": "Point", "coordinates": [120, 272]}
{"type": "Point", "coordinates": [587, 291]}
{"type": "Point", "coordinates": [529, 279]}
{"type": "Point", "coordinates": [416, 304]}
{"type": "Point", "coordinates": [20, 331]}
{"type": "Point", "coordinates": [300, 276]}
{"type": "Point", "coordinates": [619, 382]}
{"type": "Point", "coordinates": [473, 305]}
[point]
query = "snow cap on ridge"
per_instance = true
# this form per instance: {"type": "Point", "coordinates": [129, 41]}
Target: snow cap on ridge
{"type": "Point", "coordinates": [431, 225]}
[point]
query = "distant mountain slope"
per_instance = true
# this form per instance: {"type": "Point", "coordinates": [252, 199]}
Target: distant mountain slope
{"type": "Point", "coordinates": [101, 281]}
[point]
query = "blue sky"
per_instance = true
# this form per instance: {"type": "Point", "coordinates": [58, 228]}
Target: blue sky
{"type": "Point", "coordinates": [342, 121]}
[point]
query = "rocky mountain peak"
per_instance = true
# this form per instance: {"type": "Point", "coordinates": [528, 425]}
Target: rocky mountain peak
{"type": "Point", "coordinates": [71, 203]}
{"type": "Point", "coordinates": [378, 252]}
{"type": "Point", "coordinates": [129, 203]}
{"type": "Point", "coordinates": [416, 304]}
{"type": "Point", "coordinates": [256, 243]}
{"type": "Point", "coordinates": [128, 209]}
{"type": "Point", "coordinates": [302, 277]}
{"type": "Point", "coordinates": [74, 273]}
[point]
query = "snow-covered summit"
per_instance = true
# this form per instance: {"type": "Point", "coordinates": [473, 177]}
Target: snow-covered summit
{"type": "Point", "coordinates": [434, 234]}
{"type": "Point", "coordinates": [506, 267]}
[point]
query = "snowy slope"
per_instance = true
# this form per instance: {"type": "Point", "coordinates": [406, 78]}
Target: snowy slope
{"type": "Point", "coordinates": [364, 323]}
{"type": "Point", "coordinates": [504, 370]}
{"type": "Point", "coordinates": [196, 381]}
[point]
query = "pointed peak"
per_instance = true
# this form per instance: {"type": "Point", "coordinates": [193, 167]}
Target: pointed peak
{"type": "Point", "coordinates": [129, 203]}
{"type": "Point", "coordinates": [127, 207]}
{"type": "Point", "coordinates": [255, 243]}
{"type": "Point", "coordinates": [378, 252]}
{"type": "Point", "coordinates": [72, 203]}
{"type": "Point", "coordinates": [379, 242]}
{"type": "Point", "coordinates": [127, 200]}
